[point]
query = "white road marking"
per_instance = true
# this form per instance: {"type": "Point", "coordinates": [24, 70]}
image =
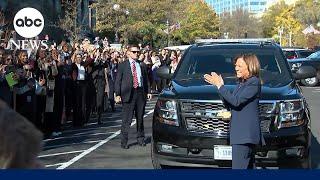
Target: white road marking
{"type": "Point", "coordinates": [105, 122]}
{"type": "Point", "coordinates": [69, 144]}
{"type": "Point", "coordinates": [85, 129]}
{"type": "Point", "coordinates": [150, 112]}
{"type": "Point", "coordinates": [62, 153]}
{"type": "Point", "coordinates": [52, 165]}
{"type": "Point", "coordinates": [75, 136]}
{"type": "Point", "coordinates": [86, 152]}
{"type": "Point", "coordinates": [88, 133]}
{"type": "Point", "coordinates": [102, 117]}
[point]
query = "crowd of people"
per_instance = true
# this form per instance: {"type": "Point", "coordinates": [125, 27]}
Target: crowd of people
{"type": "Point", "coordinates": [71, 82]}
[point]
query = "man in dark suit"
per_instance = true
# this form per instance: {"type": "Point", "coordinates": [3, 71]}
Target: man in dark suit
{"type": "Point", "coordinates": [132, 89]}
{"type": "Point", "coordinates": [80, 86]}
{"type": "Point", "coordinates": [99, 81]}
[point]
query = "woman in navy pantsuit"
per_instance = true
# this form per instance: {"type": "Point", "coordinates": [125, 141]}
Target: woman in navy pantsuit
{"type": "Point", "coordinates": [245, 131]}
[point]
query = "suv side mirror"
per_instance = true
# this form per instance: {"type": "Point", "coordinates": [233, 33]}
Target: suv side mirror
{"type": "Point", "coordinates": [164, 72]}
{"type": "Point", "coordinates": [305, 72]}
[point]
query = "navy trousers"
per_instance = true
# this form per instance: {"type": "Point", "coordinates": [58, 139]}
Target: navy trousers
{"type": "Point", "coordinates": [243, 156]}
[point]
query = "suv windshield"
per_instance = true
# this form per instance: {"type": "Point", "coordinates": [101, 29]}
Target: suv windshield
{"type": "Point", "coordinates": [197, 62]}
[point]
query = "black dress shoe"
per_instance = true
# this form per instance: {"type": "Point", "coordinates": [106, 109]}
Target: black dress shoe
{"type": "Point", "coordinates": [124, 146]}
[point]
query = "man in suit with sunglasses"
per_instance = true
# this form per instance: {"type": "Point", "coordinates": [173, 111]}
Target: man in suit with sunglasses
{"type": "Point", "coordinates": [132, 89]}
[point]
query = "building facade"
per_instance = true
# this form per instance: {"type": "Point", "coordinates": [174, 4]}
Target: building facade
{"type": "Point", "coordinates": [228, 6]}
{"type": "Point", "coordinates": [255, 7]}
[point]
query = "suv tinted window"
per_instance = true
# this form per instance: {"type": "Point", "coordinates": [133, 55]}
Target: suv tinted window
{"type": "Point", "coordinates": [289, 54]}
{"type": "Point", "coordinates": [200, 61]}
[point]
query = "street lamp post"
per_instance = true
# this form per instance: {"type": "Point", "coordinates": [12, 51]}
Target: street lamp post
{"type": "Point", "coordinates": [280, 34]}
{"type": "Point", "coordinates": [117, 9]}
{"type": "Point", "coordinates": [290, 38]}
{"type": "Point", "coordinates": [167, 32]}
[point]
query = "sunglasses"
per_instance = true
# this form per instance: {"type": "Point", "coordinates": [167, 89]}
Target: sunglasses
{"type": "Point", "coordinates": [135, 52]}
{"type": "Point", "coordinates": [27, 69]}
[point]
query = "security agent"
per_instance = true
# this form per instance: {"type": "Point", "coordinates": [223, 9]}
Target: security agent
{"type": "Point", "coordinates": [132, 89]}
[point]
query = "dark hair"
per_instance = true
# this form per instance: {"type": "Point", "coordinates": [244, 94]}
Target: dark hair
{"type": "Point", "coordinates": [132, 46]}
{"type": "Point", "coordinates": [252, 62]}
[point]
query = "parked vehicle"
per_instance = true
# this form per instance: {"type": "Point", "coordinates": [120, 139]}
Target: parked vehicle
{"type": "Point", "coordinates": [293, 53]}
{"type": "Point", "coordinates": [312, 60]}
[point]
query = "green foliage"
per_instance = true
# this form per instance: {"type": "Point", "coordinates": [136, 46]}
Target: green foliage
{"type": "Point", "coordinates": [289, 24]}
{"type": "Point", "coordinates": [294, 19]}
{"type": "Point", "coordinates": [268, 19]}
{"type": "Point", "coordinates": [68, 21]}
{"type": "Point", "coordinates": [200, 21]}
{"type": "Point", "coordinates": [307, 11]}
{"type": "Point", "coordinates": [146, 22]}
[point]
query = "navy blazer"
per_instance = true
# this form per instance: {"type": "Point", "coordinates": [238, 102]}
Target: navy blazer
{"type": "Point", "coordinates": [243, 102]}
{"type": "Point", "coordinates": [124, 81]}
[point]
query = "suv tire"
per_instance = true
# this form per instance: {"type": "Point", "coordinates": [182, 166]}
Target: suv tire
{"type": "Point", "coordinates": [155, 162]}
{"type": "Point", "coordinates": [310, 82]}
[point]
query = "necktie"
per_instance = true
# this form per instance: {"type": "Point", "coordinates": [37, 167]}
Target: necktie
{"type": "Point", "coordinates": [135, 76]}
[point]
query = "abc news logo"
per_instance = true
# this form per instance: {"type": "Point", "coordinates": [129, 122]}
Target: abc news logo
{"type": "Point", "coordinates": [28, 23]}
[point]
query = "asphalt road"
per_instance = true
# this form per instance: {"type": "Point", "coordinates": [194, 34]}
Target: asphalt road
{"type": "Point", "coordinates": [98, 146]}
{"type": "Point", "coordinates": [312, 94]}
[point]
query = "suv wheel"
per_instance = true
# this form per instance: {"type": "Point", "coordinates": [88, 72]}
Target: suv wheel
{"type": "Point", "coordinates": [155, 162]}
{"type": "Point", "coordinates": [311, 82]}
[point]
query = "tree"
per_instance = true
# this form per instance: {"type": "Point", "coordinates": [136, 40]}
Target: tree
{"type": "Point", "coordinates": [290, 26]}
{"type": "Point", "coordinates": [240, 24]}
{"type": "Point", "coordinates": [146, 22]}
{"type": "Point", "coordinates": [69, 22]}
{"type": "Point", "coordinates": [307, 12]}
{"type": "Point", "coordinates": [268, 19]}
{"type": "Point", "coordinates": [198, 21]}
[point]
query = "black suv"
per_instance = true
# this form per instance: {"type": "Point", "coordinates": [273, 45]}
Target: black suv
{"type": "Point", "coordinates": [189, 126]}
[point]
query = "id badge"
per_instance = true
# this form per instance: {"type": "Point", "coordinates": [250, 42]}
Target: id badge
{"type": "Point", "coordinates": [51, 84]}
